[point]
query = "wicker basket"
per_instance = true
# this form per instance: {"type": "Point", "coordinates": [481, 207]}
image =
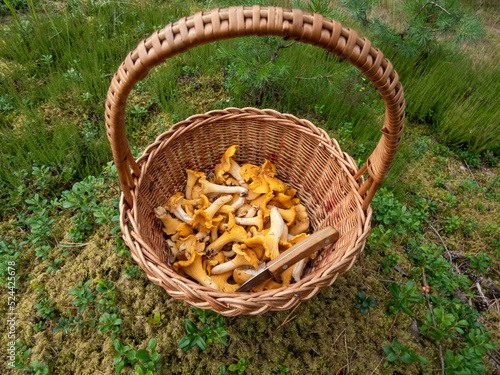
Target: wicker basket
{"type": "Point", "coordinates": [330, 184]}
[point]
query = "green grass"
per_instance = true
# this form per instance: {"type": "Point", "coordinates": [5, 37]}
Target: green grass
{"type": "Point", "coordinates": [50, 66]}
{"type": "Point", "coordinates": [54, 77]}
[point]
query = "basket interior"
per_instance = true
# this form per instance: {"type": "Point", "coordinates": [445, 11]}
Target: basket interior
{"type": "Point", "coordinates": [300, 157]}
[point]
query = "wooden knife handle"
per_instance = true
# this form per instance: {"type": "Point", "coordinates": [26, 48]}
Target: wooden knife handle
{"type": "Point", "coordinates": [311, 244]}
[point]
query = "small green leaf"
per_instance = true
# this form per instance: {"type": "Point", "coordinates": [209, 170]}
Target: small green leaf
{"type": "Point", "coordinates": [143, 356]}
{"type": "Point", "coordinates": [190, 327]}
{"type": "Point", "coordinates": [151, 344]}
{"type": "Point", "coordinates": [131, 356]}
{"type": "Point", "coordinates": [201, 343]}
{"type": "Point", "coordinates": [392, 357]}
{"type": "Point", "coordinates": [407, 358]}
{"type": "Point", "coordinates": [119, 366]}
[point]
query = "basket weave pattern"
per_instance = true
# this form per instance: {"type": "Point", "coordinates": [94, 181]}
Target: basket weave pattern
{"type": "Point", "coordinates": [329, 183]}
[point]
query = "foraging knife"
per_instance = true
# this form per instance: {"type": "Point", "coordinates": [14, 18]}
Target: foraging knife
{"type": "Point", "coordinates": [275, 267]}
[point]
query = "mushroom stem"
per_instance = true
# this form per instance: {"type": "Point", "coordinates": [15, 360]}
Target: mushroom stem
{"type": "Point", "coordinates": [208, 187]}
{"type": "Point", "coordinates": [256, 221]}
{"type": "Point", "coordinates": [299, 269]}
{"type": "Point", "coordinates": [218, 203]}
{"type": "Point", "coordinates": [234, 171]}
{"type": "Point", "coordinates": [251, 212]}
{"type": "Point", "coordinates": [240, 201]}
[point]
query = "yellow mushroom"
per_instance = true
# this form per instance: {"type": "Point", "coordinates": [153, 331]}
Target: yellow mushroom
{"type": "Point", "coordinates": [194, 268]}
{"type": "Point", "coordinates": [192, 177]}
{"type": "Point", "coordinates": [268, 173]}
{"type": "Point", "coordinates": [235, 234]}
{"type": "Point", "coordinates": [262, 202]}
{"type": "Point", "coordinates": [214, 231]}
{"type": "Point", "coordinates": [281, 201]}
{"type": "Point", "coordinates": [299, 237]}
{"type": "Point", "coordinates": [242, 274]}
{"type": "Point", "coordinates": [225, 164]}
{"type": "Point", "coordinates": [221, 281]}
{"type": "Point", "coordinates": [170, 224]}
{"type": "Point", "coordinates": [288, 215]}
{"type": "Point", "coordinates": [257, 221]}
{"type": "Point", "coordinates": [174, 205]}
{"type": "Point", "coordinates": [190, 245]}
{"type": "Point", "coordinates": [258, 245]}
{"type": "Point", "coordinates": [252, 211]}
{"type": "Point", "coordinates": [184, 230]}
{"type": "Point", "coordinates": [202, 220]}
{"type": "Point", "coordinates": [301, 221]}
{"type": "Point", "coordinates": [196, 192]}
{"type": "Point", "coordinates": [291, 192]}
{"type": "Point", "coordinates": [242, 258]}
{"type": "Point", "coordinates": [248, 172]}
{"type": "Point", "coordinates": [243, 210]}
{"type": "Point", "coordinates": [273, 236]}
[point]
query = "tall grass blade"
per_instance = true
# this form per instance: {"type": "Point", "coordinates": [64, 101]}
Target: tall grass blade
{"type": "Point", "coordinates": [12, 10]}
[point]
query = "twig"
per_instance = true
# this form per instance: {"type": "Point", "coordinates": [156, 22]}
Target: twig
{"type": "Point", "coordinates": [445, 247]}
{"type": "Point", "coordinates": [317, 77]}
{"type": "Point", "coordinates": [375, 369]}
{"type": "Point", "coordinates": [74, 244]}
{"type": "Point", "coordinates": [338, 336]}
{"type": "Point", "coordinates": [280, 46]}
{"type": "Point", "coordinates": [340, 369]}
{"type": "Point", "coordinates": [434, 321]}
{"type": "Point", "coordinates": [385, 281]}
{"type": "Point", "coordinates": [286, 319]}
{"type": "Point", "coordinates": [99, 371]}
{"type": "Point", "coordinates": [393, 322]}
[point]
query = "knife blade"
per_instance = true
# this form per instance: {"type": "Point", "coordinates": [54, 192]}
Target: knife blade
{"type": "Point", "coordinates": [275, 267]}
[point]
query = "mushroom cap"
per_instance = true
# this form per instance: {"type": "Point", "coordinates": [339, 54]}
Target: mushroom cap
{"type": "Point", "coordinates": [301, 221]}
{"type": "Point", "coordinates": [190, 244]}
{"type": "Point", "coordinates": [221, 281]}
{"type": "Point", "coordinates": [184, 230]}
{"type": "Point", "coordinates": [288, 215]}
{"type": "Point", "coordinates": [249, 171]}
{"type": "Point", "coordinates": [262, 202]}
{"type": "Point", "coordinates": [194, 268]}
{"type": "Point", "coordinates": [249, 255]}
{"type": "Point", "coordinates": [172, 201]}
{"type": "Point", "coordinates": [192, 177]}
{"type": "Point", "coordinates": [235, 234]}
{"type": "Point", "coordinates": [281, 200]}
{"type": "Point", "coordinates": [299, 237]}
{"type": "Point", "coordinates": [225, 163]}
{"type": "Point", "coordinates": [242, 258]}
{"type": "Point", "coordinates": [258, 245]}
{"type": "Point", "coordinates": [170, 224]}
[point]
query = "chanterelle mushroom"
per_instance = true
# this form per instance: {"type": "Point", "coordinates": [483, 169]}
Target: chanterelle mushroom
{"type": "Point", "coordinates": [202, 220]}
{"type": "Point", "coordinates": [235, 234]}
{"type": "Point", "coordinates": [170, 224]}
{"type": "Point", "coordinates": [194, 268]}
{"type": "Point", "coordinates": [301, 221]}
{"type": "Point", "coordinates": [209, 188]}
{"type": "Point", "coordinates": [242, 258]}
{"type": "Point", "coordinates": [174, 206]}
{"type": "Point", "coordinates": [192, 177]}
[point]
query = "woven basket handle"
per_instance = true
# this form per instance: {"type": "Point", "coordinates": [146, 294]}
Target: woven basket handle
{"type": "Point", "coordinates": [206, 27]}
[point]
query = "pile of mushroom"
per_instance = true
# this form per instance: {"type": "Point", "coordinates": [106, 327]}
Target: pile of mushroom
{"type": "Point", "coordinates": [229, 223]}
